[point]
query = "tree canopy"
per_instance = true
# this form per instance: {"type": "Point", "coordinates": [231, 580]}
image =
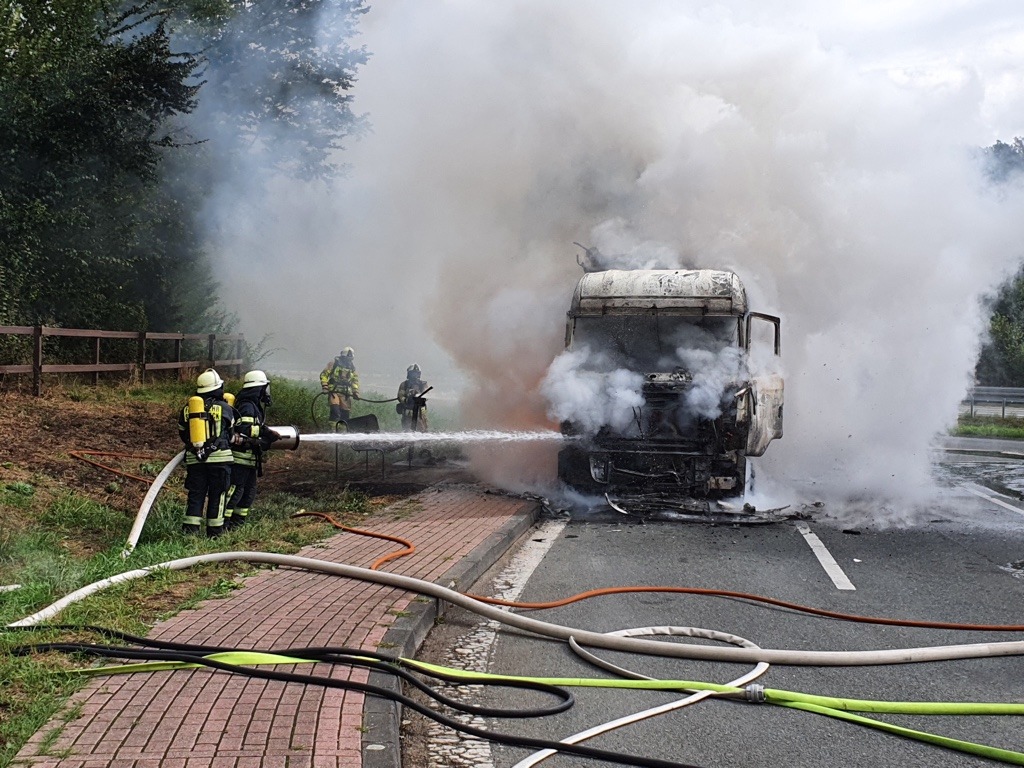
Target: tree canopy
{"type": "Point", "coordinates": [1001, 363]}
{"type": "Point", "coordinates": [105, 162]}
{"type": "Point", "coordinates": [84, 95]}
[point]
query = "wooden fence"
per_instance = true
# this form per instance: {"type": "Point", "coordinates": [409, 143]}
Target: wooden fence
{"type": "Point", "coordinates": [141, 365]}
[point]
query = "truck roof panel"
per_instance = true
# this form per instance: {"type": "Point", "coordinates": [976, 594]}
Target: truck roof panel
{"type": "Point", "coordinates": [679, 291]}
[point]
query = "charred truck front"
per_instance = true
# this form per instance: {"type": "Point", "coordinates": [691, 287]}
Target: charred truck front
{"type": "Point", "coordinates": [686, 336]}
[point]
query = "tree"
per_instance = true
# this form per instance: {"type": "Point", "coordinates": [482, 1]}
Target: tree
{"type": "Point", "coordinates": [1004, 161]}
{"type": "Point", "coordinates": [1001, 362]}
{"type": "Point", "coordinates": [105, 167]}
{"type": "Point", "coordinates": [278, 79]}
{"type": "Point", "coordinates": [84, 95]}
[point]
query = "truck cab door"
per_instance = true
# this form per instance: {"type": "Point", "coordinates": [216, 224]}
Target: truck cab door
{"type": "Point", "coordinates": [764, 401]}
{"type": "Point", "coordinates": [764, 397]}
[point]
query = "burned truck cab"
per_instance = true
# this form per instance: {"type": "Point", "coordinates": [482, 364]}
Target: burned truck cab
{"type": "Point", "coordinates": [685, 335]}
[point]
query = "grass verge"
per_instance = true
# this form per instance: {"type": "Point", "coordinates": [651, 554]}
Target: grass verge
{"type": "Point", "coordinates": [994, 427]}
{"type": "Point", "coordinates": [46, 566]}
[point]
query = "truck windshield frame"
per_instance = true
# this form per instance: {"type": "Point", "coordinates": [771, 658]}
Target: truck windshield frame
{"type": "Point", "coordinates": [648, 342]}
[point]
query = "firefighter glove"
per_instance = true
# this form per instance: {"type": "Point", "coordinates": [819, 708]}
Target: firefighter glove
{"type": "Point", "coordinates": [202, 452]}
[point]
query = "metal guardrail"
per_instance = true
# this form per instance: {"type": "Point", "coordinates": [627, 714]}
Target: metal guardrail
{"type": "Point", "coordinates": [1001, 396]}
{"type": "Point", "coordinates": [141, 364]}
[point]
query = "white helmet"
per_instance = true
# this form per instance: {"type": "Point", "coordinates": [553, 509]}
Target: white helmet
{"type": "Point", "coordinates": [347, 352]}
{"type": "Point", "coordinates": [208, 381]}
{"type": "Point", "coordinates": [254, 379]}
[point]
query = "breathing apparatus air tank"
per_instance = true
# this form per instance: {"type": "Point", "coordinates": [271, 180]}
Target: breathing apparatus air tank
{"type": "Point", "coordinates": [229, 399]}
{"type": "Point", "coordinates": [198, 423]}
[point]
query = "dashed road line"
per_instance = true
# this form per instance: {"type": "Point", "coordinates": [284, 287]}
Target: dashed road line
{"type": "Point", "coordinates": [978, 492]}
{"type": "Point", "coordinates": [839, 578]}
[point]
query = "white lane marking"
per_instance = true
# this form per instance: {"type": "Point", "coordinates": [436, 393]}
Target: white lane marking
{"type": "Point", "coordinates": [452, 749]}
{"type": "Point", "coordinates": [825, 558]}
{"type": "Point", "coordinates": [993, 499]}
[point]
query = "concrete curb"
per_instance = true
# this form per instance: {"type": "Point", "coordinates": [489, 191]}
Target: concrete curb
{"type": "Point", "coordinates": [979, 452]}
{"type": "Point", "coordinates": [381, 744]}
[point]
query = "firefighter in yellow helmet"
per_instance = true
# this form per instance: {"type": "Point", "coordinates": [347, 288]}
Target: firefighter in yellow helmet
{"type": "Point", "coordinates": [205, 425]}
{"type": "Point", "coordinates": [411, 404]}
{"type": "Point", "coordinates": [340, 380]}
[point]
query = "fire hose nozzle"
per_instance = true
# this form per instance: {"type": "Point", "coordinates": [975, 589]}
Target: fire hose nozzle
{"type": "Point", "coordinates": [288, 439]}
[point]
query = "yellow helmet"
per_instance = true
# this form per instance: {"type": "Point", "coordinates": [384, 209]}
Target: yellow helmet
{"type": "Point", "coordinates": [208, 381]}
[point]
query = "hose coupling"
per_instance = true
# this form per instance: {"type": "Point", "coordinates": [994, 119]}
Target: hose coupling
{"type": "Point", "coordinates": [755, 693]}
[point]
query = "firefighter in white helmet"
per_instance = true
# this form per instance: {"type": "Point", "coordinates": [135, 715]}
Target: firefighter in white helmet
{"type": "Point", "coordinates": [252, 438]}
{"type": "Point", "coordinates": [340, 380]}
{"type": "Point", "coordinates": [205, 426]}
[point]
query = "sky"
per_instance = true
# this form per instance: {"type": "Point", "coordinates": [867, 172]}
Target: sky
{"type": "Point", "coordinates": [825, 152]}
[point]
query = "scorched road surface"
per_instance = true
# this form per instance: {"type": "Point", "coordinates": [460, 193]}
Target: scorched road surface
{"type": "Point", "coordinates": [955, 564]}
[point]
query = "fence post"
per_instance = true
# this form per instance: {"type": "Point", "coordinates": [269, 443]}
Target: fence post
{"type": "Point", "coordinates": [239, 345]}
{"type": "Point", "coordinates": [212, 351]}
{"type": "Point", "coordinates": [96, 361]}
{"type": "Point", "coordinates": [37, 360]}
{"type": "Point", "coordinates": [142, 357]}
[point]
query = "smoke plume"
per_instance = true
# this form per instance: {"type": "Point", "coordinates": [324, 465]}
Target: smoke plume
{"type": "Point", "coordinates": [732, 135]}
{"type": "Point", "coordinates": [581, 389]}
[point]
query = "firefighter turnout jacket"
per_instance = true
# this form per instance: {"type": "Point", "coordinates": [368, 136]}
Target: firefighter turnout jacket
{"type": "Point", "coordinates": [409, 396]}
{"type": "Point", "coordinates": [251, 427]}
{"type": "Point", "coordinates": [341, 378]}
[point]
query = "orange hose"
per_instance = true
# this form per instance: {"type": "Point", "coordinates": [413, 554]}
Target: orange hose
{"type": "Point", "coordinates": [409, 546]}
{"type": "Point", "coordinates": [83, 456]}
{"type": "Point", "coordinates": [755, 598]}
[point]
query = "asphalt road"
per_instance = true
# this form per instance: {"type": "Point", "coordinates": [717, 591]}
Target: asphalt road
{"type": "Point", "coordinates": [952, 562]}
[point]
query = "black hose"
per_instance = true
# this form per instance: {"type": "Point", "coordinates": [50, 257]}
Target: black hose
{"type": "Point", "coordinates": [352, 657]}
{"type": "Point", "coordinates": [156, 650]}
{"type": "Point", "coordinates": [312, 409]}
{"type": "Point", "coordinates": [312, 405]}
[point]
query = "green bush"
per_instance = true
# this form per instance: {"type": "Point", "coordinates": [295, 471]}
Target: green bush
{"type": "Point", "coordinates": [292, 403]}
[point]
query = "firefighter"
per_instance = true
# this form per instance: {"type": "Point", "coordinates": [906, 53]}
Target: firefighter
{"type": "Point", "coordinates": [251, 438]}
{"type": "Point", "coordinates": [340, 380]}
{"type": "Point", "coordinates": [205, 425]}
{"type": "Point", "coordinates": [411, 404]}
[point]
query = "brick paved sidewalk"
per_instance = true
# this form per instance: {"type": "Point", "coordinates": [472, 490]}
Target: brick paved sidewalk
{"type": "Point", "coordinates": [203, 719]}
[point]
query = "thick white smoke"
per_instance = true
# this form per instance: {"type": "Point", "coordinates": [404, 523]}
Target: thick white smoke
{"type": "Point", "coordinates": [713, 371]}
{"type": "Point", "coordinates": [581, 389]}
{"type": "Point", "coordinates": [733, 134]}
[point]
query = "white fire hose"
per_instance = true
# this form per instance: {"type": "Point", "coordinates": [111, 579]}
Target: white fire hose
{"type": "Point", "coordinates": [288, 440]}
{"type": "Point", "coordinates": [546, 629]}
